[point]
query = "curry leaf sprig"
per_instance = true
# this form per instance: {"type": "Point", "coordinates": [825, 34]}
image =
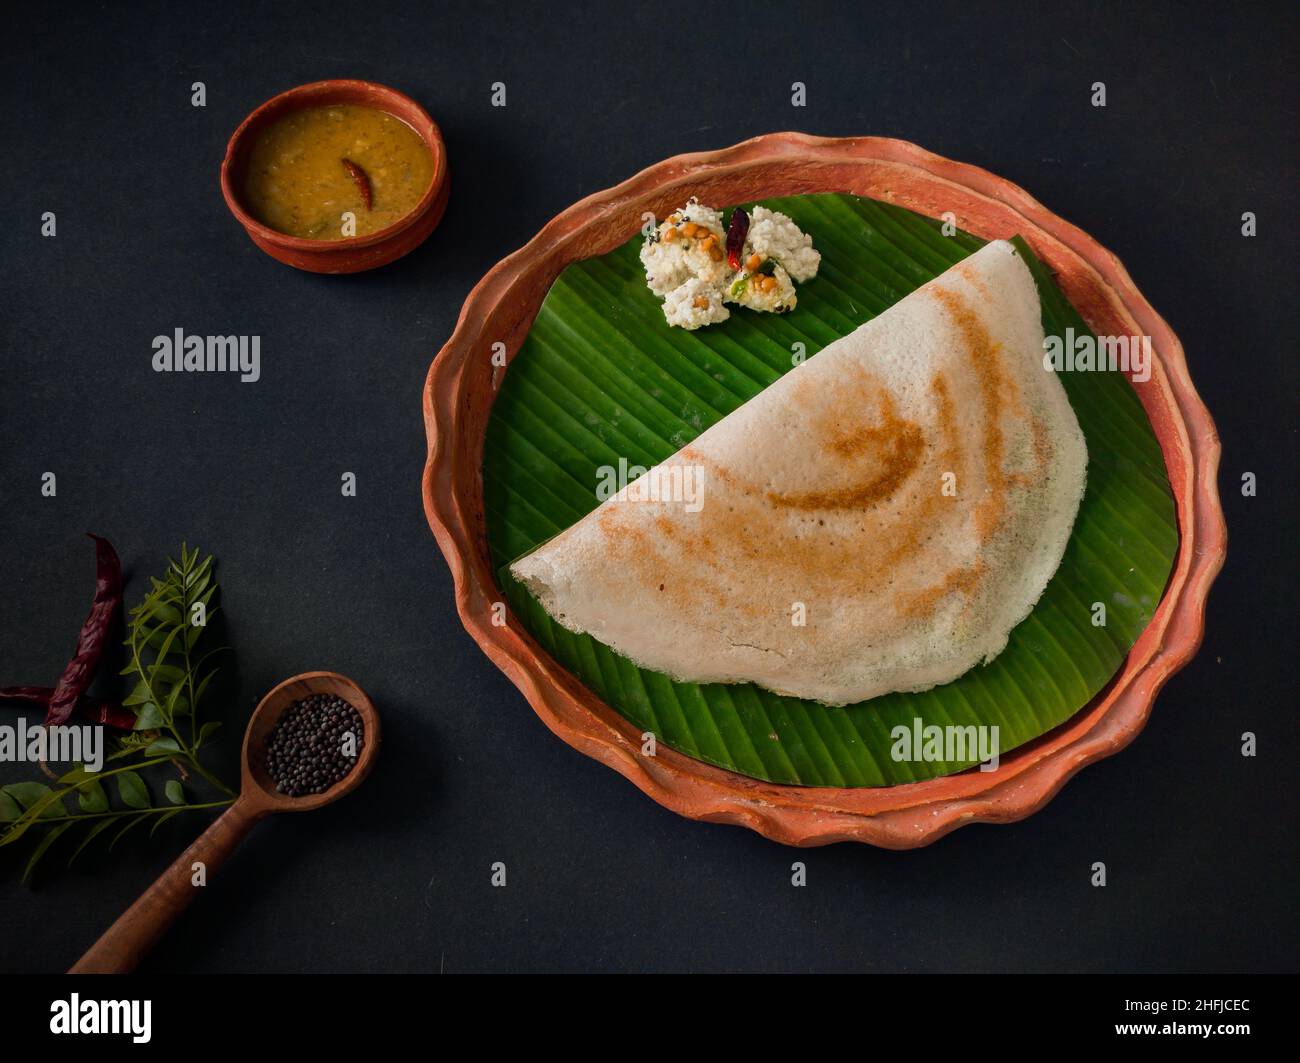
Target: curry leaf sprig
{"type": "Point", "coordinates": [163, 634]}
{"type": "Point", "coordinates": [172, 671]}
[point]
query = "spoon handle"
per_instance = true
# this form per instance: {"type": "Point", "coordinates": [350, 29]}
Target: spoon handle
{"type": "Point", "coordinates": [125, 943]}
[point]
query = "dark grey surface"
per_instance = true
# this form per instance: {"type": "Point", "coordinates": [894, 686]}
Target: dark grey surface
{"type": "Point", "coordinates": [97, 126]}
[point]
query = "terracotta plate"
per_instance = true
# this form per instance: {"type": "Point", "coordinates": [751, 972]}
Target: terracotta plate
{"type": "Point", "coordinates": [462, 384]}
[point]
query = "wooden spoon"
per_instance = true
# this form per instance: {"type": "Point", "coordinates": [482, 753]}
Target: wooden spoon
{"type": "Point", "coordinates": [128, 941]}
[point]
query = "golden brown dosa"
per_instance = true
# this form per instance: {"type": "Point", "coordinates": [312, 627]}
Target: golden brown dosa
{"type": "Point", "coordinates": [878, 519]}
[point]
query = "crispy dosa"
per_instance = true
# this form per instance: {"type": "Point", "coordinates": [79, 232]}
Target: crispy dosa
{"type": "Point", "coordinates": [877, 520]}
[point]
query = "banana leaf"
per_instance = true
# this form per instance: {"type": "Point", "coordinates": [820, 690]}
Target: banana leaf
{"type": "Point", "coordinates": [600, 378]}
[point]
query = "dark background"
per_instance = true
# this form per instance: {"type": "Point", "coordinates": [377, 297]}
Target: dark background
{"type": "Point", "coordinates": [1200, 125]}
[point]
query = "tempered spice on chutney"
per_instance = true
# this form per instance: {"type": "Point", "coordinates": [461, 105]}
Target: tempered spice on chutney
{"type": "Point", "coordinates": [308, 168]}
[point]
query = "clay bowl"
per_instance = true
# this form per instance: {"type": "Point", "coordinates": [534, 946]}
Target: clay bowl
{"type": "Point", "coordinates": [361, 252]}
{"type": "Point", "coordinates": [461, 386]}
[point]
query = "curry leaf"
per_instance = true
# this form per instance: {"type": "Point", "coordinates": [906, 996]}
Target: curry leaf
{"type": "Point", "coordinates": [132, 821]}
{"type": "Point", "coordinates": [163, 818]}
{"type": "Point", "coordinates": [26, 793]}
{"type": "Point", "coordinates": [91, 797]}
{"type": "Point", "coordinates": [10, 809]}
{"type": "Point", "coordinates": [97, 827]}
{"type": "Point", "coordinates": [132, 790]}
{"type": "Point", "coordinates": [42, 847]}
{"type": "Point", "coordinates": [149, 718]}
{"type": "Point", "coordinates": [37, 799]}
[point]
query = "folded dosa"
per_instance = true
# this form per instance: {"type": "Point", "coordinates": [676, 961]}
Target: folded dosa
{"type": "Point", "coordinates": [876, 520]}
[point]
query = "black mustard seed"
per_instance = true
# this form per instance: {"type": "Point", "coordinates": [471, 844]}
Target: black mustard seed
{"type": "Point", "coordinates": [314, 744]}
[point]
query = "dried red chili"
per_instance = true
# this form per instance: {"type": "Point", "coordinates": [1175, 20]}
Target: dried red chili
{"type": "Point", "coordinates": [94, 633]}
{"type": "Point", "coordinates": [90, 709]}
{"type": "Point", "coordinates": [736, 233]}
{"type": "Point", "coordinates": [358, 175]}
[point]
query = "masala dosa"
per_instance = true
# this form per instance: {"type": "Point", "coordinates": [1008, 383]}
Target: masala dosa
{"type": "Point", "coordinates": [876, 520]}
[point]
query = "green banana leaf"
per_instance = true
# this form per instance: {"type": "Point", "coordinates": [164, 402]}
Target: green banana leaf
{"type": "Point", "coordinates": [600, 377]}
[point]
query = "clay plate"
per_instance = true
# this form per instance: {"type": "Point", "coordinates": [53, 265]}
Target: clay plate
{"type": "Point", "coordinates": [462, 383]}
